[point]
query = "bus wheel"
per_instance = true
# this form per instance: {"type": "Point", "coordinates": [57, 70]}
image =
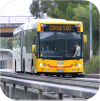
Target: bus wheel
{"type": "Point", "coordinates": [33, 72]}
{"type": "Point", "coordinates": [46, 74]}
{"type": "Point", "coordinates": [74, 75]}
{"type": "Point", "coordinates": [63, 75]}
{"type": "Point", "coordinates": [36, 73]}
{"type": "Point", "coordinates": [58, 75]}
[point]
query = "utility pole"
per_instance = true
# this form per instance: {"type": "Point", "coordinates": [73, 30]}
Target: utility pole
{"type": "Point", "coordinates": [91, 51]}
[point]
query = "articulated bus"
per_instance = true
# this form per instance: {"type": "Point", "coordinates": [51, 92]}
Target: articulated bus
{"type": "Point", "coordinates": [47, 46]}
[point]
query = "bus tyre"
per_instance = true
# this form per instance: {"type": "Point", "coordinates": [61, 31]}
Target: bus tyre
{"type": "Point", "coordinates": [32, 67]}
{"type": "Point", "coordinates": [46, 74]}
{"type": "Point", "coordinates": [34, 73]}
{"type": "Point", "coordinates": [74, 75]}
{"type": "Point", "coordinates": [33, 70]}
{"type": "Point", "coordinates": [58, 75]}
{"type": "Point", "coordinates": [63, 75]}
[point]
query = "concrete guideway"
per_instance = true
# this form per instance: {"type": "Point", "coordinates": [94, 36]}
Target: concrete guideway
{"type": "Point", "coordinates": [81, 82]}
{"type": "Point", "coordinates": [92, 75]}
{"type": "Point", "coordinates": [60, 89]}
{"type": "Point", "coordinates": [88, 79]}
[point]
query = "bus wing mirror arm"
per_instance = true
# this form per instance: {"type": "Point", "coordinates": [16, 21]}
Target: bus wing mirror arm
{"type": "Point", "coordinates": [36, 54]}
{"type": "Point", "coordinates": [33, 48]}
{"type": "Point", "coordinates": [85, 38]}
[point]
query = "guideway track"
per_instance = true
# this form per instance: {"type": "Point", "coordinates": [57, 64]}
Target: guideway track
{"type": "Point", "coordinates": [82, 82]}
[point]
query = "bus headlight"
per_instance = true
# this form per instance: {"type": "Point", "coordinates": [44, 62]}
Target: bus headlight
{"type": "Point", "coordinates": [79, 65]}
{"type": "Point", "coordinates": [41, 64]}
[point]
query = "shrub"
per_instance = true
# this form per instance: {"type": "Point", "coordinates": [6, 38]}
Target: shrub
{"type": "Point", "coordinates": [93, 65]}
{"type": "Point", "coordinates": [96, 64]}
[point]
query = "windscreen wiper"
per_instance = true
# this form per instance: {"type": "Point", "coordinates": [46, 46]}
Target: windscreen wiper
{"type": "Point", "coordinates": [45, 57]}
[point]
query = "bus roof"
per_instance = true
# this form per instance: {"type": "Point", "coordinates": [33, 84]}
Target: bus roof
{"type": "Point", "coordinates": [33, 24]}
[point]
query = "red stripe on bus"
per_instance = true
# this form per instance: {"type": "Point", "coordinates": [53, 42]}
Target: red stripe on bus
{"type": "Point", "coordinates": [60, 66]}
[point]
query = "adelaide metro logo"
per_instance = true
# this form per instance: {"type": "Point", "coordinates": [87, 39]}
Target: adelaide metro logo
{"type": "Point", "coordinates": [60, 63]}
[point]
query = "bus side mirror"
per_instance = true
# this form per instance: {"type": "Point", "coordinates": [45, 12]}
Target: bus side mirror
{"type": "Point", "coordinates": [33, 48]}
{"type": "Point", "coordinates": [85, 38]}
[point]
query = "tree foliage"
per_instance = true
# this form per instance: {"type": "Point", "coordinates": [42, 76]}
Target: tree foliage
{"type": "Point", "coordinates": [39, 7]}
{"type": "Point", "coordinates": [48, 7]}
{"type": "Point", "coordinates": [3, 43]}
{"type": "Point", "coordinates": [53, 8]}
{"type": "Point", "coordinates": [6, 43]}
{"type": "Point", "coordinates": [9, 43]}
{"type": "Point", "coordinates": [34, 8]}
{"type": "Point", "coordinates": [69, 10]}
{"type": "Point", "coordinates": [65, 8]}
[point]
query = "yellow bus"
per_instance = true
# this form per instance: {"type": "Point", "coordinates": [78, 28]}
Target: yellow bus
{"type": "Point", "coordinates": [49, 46]}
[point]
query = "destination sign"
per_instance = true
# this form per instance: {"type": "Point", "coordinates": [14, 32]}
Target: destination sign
{"type": "Point", "coordinates": [56, 27]}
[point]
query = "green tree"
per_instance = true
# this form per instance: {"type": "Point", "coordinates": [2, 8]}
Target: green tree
{"type": "Point", "coordinates": [9, 43]}
{"type": "Point", "coordinates": [3, 43]}
{"type": "Point", "coordinates": [53, 8]}
{"type": "Point", "coordinates": [60, 10]}
{"type": "Point", "coordinates": [48, 7]}
{"type": "Point", "coordinates": [59, 14]}
{"type": "Point", "coordinates": [82, 14]}
{"type": "Point", "coordinates": [34, 8]}
{"type": "Point", "coordinates": [69, 10]}
{"type": "Point", "coordinates": [85, 3]}
{"type": "Point", "coordinates": [65, 8]}
{"type": "Point", "coordinates": [39, 7]}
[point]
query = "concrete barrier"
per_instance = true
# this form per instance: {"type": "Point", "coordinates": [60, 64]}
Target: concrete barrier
{"type": "Point", "coordinates": [32, 94]}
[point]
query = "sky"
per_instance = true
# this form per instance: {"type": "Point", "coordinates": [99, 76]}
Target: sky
{"type": "Point", "coordinates": [15, 7]}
